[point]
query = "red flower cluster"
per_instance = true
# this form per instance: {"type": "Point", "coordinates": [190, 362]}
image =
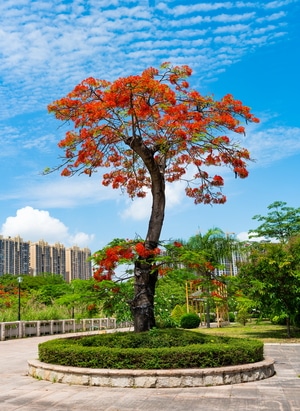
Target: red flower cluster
{"type": "Point", "coordinates": [177, 244]}
{"type": "Point", "coordinates": [127, 251]}
{"type": "Point", "coordinates": [209, 266]}
{"type": "Point", "coordinates": [143, 252]}
{"type": "Point", "coordinates": [216, 294]}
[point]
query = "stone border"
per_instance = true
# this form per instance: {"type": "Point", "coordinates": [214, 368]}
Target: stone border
{"type": "Point", "coordinates": [177, 378]}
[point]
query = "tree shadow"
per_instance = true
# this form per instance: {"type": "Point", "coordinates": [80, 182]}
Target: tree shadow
{"type": "Point", "coordinates": [278, 334]}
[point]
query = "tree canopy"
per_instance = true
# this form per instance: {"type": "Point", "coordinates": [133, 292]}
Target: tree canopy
{"type": "Point", "coordinates": [271, 276]}
{"type": "Point", "coordinates": [148, 130]}
{"type": "Point", "coordinates": [281, 223]}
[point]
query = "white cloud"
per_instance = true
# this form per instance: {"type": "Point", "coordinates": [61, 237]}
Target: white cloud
{"type": "Point", "coordinates": [272, 144]}
{"type": "Point", "coordinates": [232, 28]}
{"type": "Point", "coordinates": [229, 18]}
{"type": "Point", "coordinates": [81, 239]}
{"type": "Point", "coordinates": [272, 17]}
{"type": "Point", "coordinates": [278, 4]}
{"type": "Point", "coordinates": [140, 208]}
{"type": "Point", "coordinates": [62, 192]}
{"type": "Point", "coordinates": [244, 236]}
{"type": "Point", "coordinates": [34, 225]}
{"type": "Point", "coordinates": [47, 50]}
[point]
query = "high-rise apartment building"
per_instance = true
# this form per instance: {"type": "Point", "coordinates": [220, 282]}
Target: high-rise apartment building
{"type": "Point", "coordinates": [40, 258]}
{"type": "Point", "coordinates": [45, 258]}
{"type": "Point", "coordinates": [34, 258]}
{"type": "Point", "coordinates": [58, 259]}
{"type": "Point", "coordinates": [77, 264]}
{"type": "Point", "coordinates": [71, 262]}
{"type": "Point", "coordinates": [14, 256]}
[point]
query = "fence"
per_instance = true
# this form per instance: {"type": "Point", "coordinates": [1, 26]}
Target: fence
{"type": "Point", "coordinates": [22, 329]}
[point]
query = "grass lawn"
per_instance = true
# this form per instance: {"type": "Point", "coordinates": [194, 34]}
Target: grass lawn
{"type": "Point", "coordinates": [262, 330]}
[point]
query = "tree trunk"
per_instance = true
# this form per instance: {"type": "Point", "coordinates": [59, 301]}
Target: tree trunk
{"type": "Point", "coordinates": [145, 275]}
{"type": "Point", "coordinates": [142, 305]}
{"type": "Point", "coordinates": [288, 326]}
{"type": "Point", "coordinates": [207, 313]}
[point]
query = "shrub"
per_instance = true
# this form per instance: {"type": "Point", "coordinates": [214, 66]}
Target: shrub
{"type": "Point", "coordinates": [279, 319]}
{"type": "Point", "coordinates": [167, 322]}
{"type": "Point", "coordinates": [242, 316]}
{"type": "Point", "coordinates": [155, 349]}
{"type": "Point", "coordinates": [189, 321]}
{"type": "Point", "coordinates": [231, 317]}
{"type": "Point", "coordinates": [177, 313]}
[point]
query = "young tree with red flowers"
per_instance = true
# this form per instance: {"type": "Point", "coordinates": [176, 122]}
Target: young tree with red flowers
{"type": "Point", "coordinates": [148, 130]}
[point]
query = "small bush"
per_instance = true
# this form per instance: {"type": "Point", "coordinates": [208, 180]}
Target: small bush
{"type": "Point", "coordinates": [242, 316]}
{"type": "Point", "coordinates": [231, 317]}
{"type": "Point", "coordinates": [167, 322]}
{"type": "Point", "coordinates": [177, 313]}
{"type": "Point", "coordinates": [189, 321]}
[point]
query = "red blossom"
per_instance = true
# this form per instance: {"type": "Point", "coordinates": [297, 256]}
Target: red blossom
{"type": "Point", "coordinates": [162, 271]}
{"type": "Point", "coordinates": [108, 259]}
{"type": "Point", "coordinates": [173, 120]}
{"type": "Point", "coordinates": [177, 244]}
{"type": "Point", "coordinates": [209, 266]}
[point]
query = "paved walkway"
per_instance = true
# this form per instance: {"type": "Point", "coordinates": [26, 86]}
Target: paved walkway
{"type": "Point", "coordinates": [19, 392]}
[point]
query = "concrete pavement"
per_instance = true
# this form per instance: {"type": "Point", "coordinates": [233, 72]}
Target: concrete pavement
{"type": "Point", "coordinates": [19, 392]}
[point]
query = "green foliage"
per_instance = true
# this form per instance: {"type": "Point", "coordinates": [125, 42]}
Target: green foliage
{"type": "Point", "coordinates": [279, 319]}
{"type": "Point", "coordinates": [271, 278]}
{"type": "Point", "coordinates": [157, 349]}
{"type": "Point", "coordinates": [113, 299]}
{"type": "Point", "coordinates": [213, 246]}
{"type": "Point", "coordinates": [231, 317]}
{"type": "Point", "coordinates": [242, 316]}
{"type": "Point", "coordinates": [49, 292]}
{"type": "Point", "coordinates": [170, 292]}
{"type": "Point", "coordinates": [189, 321]}
{"type": "Point", "coordinates": [48, 295]}
{"type": "Point", "coordinates": [178, 312]}
{"type": "Point", "coordinates": [281, 222]}
{"type": "Point", "coordinates": [155, 338]}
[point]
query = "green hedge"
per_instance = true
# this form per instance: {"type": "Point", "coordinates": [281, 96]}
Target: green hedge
{"type": "Point", "coordinates": [193, 351]}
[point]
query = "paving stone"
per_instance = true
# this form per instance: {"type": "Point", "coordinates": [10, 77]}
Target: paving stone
{"type": "Point", "coordinates": [19, 392]}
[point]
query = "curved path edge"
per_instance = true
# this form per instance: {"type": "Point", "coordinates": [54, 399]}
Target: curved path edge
{"type": "Point", "coordinates": [177, 378]}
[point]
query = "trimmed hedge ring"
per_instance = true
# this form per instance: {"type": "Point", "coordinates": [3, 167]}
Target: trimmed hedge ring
{"type": "Point", "coordinates": [180, 349]}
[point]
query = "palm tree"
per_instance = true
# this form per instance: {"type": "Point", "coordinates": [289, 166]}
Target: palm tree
{"type": "Point", "coordinates": [213, 247]}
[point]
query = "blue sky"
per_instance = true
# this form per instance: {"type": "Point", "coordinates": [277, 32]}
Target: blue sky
{"type": "Point", "coordinates": [247, 48]}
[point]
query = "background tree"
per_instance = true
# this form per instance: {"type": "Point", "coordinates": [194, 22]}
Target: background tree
{"type": "Point", "coordinates": [171, 293]}
{"type": "Point", "coordinates": [148, 129]}
{"type": "Point", "coordinates": [271, 277]}
{"type": "Point", "coordinates": [202, 255]}
{"type": "Point", "coordinates": [214, 246]}
{"type": "Point", "coordinates": [281, 223]}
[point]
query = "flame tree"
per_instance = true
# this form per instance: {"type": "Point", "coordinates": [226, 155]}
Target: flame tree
{"type": "Point", "coordinates": [148, 130]}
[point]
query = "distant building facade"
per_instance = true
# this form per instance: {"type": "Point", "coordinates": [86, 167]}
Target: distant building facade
{"type": "Point", "coordinates": [77, 263]}
{"type": "Point", "coordinates": [33, 258]}
{"type": "Point", "coordinates": [45, 258]}
{"type": "Point", "coordinates": [14, 256]}
{"type": "Point", "coordinates": [230, 265]}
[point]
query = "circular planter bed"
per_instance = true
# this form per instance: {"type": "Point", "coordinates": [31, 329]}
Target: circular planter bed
{"type": "Point", "coordinates": [158, 358]}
